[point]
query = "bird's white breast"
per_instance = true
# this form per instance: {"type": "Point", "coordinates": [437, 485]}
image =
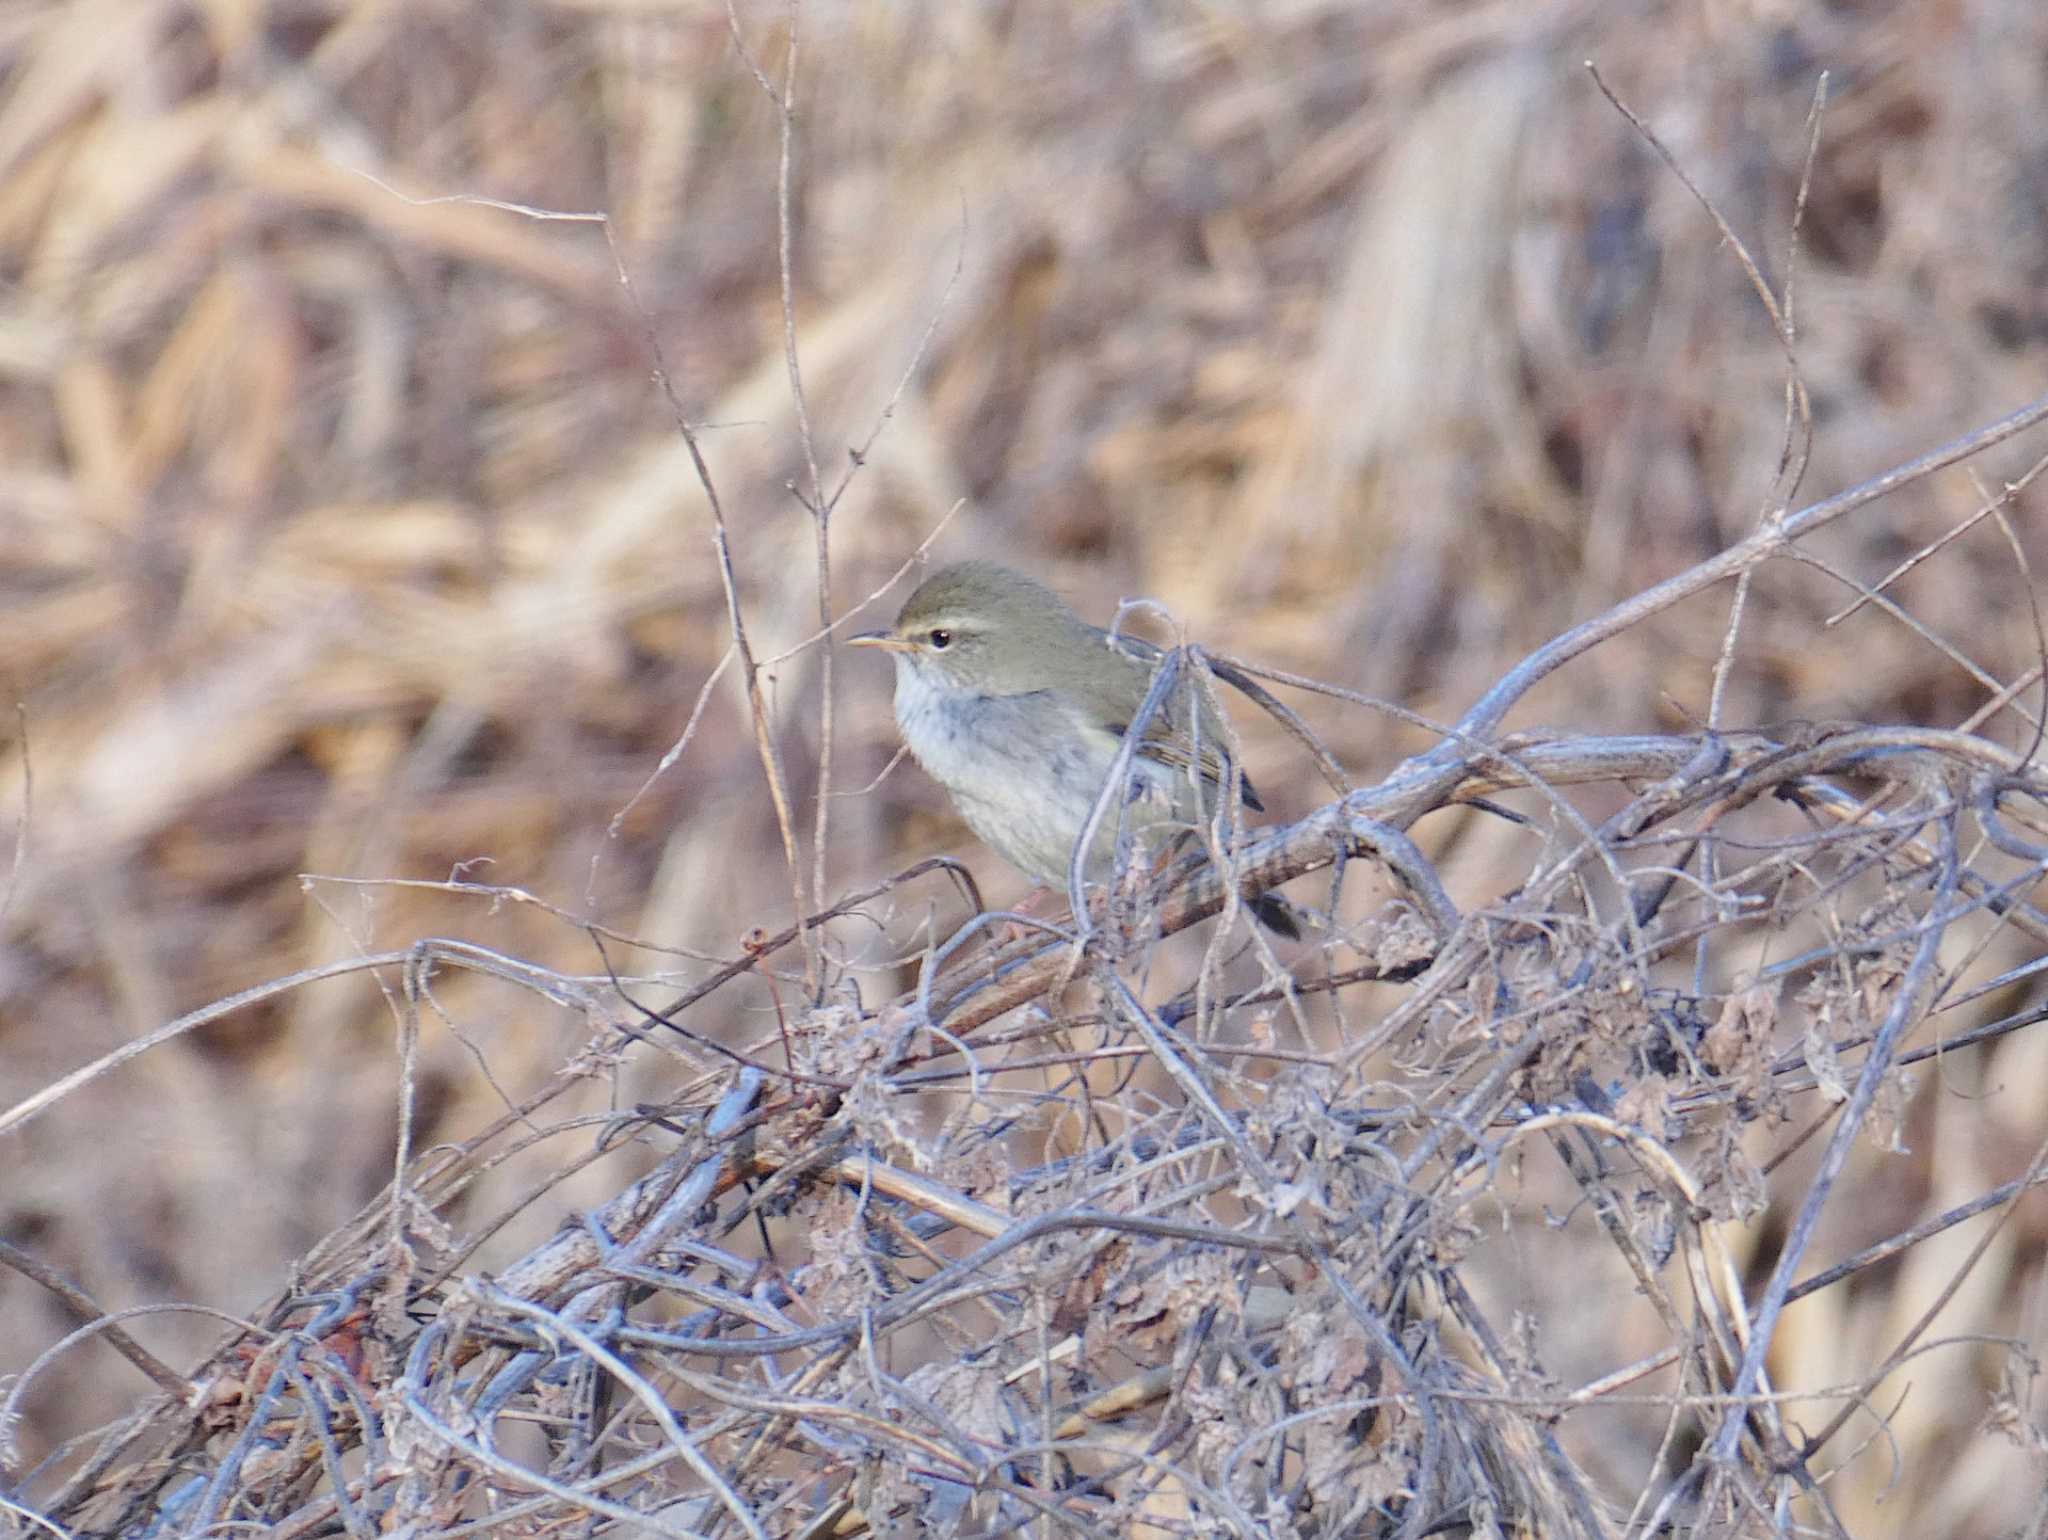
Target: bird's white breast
{"type": "Point", "coordinates": [1025, 771]}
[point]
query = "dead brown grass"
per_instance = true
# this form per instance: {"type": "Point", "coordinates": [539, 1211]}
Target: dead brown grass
{"type": "Point", "coordinates": [1607, 1165]}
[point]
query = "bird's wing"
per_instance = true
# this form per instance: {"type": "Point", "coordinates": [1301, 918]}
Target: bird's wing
{"type": "Point", "coordinates": [1167, 739]}
{"type": "Point", "coordinates": [1172, 749]}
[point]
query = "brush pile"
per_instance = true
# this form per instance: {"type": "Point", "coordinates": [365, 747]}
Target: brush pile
{"type": "Point", "coordinates": [422, 1108]}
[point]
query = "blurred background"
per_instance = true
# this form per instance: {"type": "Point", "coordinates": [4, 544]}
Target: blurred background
{"type": "Point", "coordinates": [348, 534]}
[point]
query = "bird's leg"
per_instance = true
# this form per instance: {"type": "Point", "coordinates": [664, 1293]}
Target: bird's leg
{"type": "Point", "coordinates": [1042, 898]}
{"type": "Point", "coordinates": [1029, 906]}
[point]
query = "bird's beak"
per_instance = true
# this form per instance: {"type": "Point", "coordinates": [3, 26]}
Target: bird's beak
{"type": "Point", "coordinates": [881, 639]}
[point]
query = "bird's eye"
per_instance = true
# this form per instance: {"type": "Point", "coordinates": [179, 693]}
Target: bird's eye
{"type": "Point", "coordinates": [940, 638]}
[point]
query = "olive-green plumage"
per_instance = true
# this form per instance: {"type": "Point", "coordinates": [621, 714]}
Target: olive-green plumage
{"type": "Point", "coordinates": [1018, 707]}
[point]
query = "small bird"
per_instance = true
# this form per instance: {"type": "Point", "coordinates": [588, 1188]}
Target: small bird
{"type": "Point", "coordinates": [1018, 707]}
